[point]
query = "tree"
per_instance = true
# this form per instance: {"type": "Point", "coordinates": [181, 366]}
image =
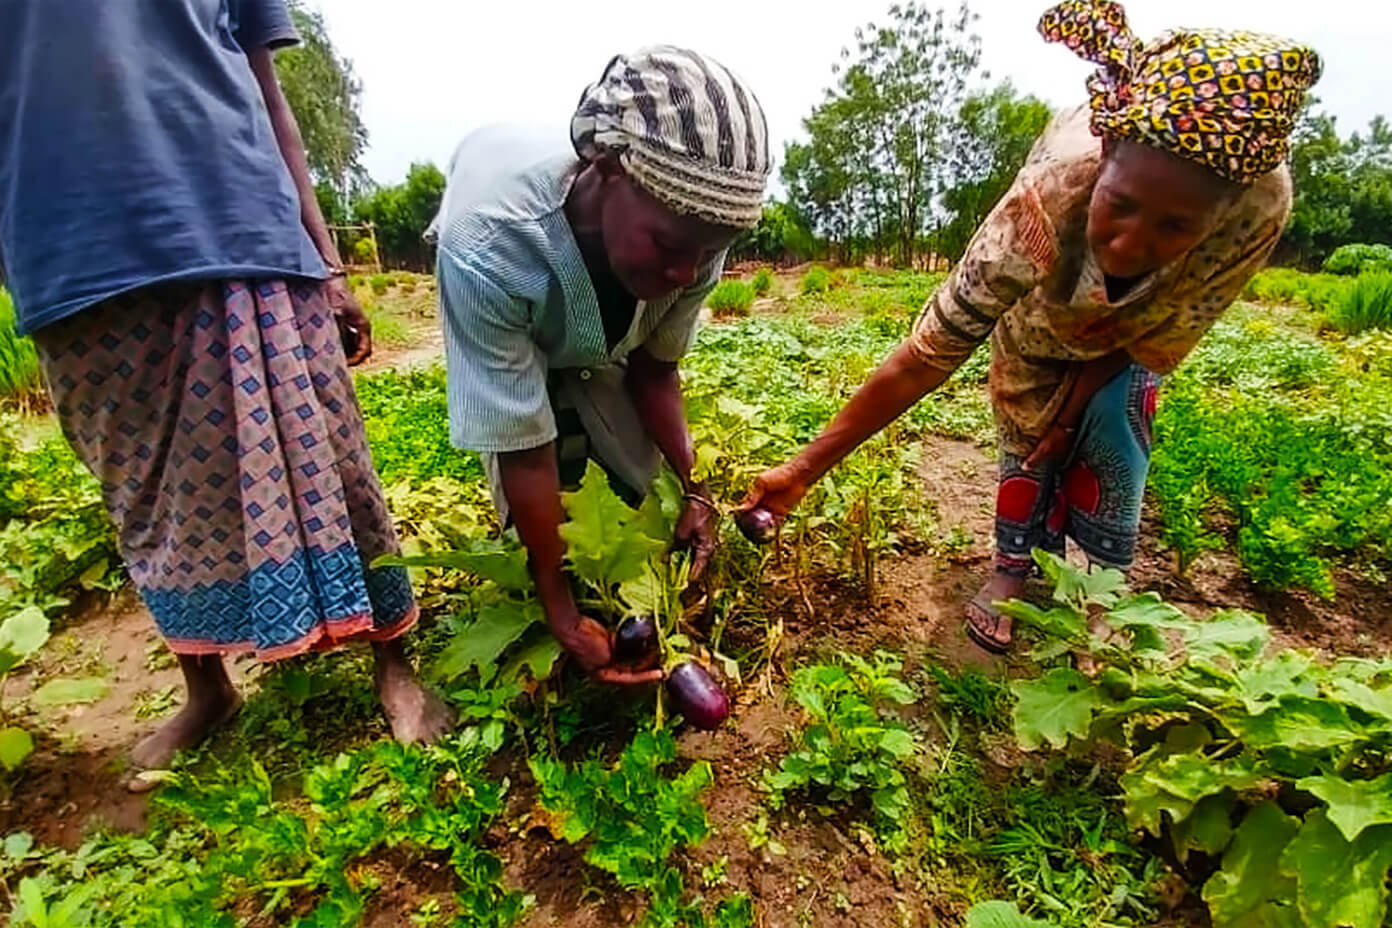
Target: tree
{"type": "Point", "coordinates": [401, 214]}
{"type": "Point", "coordinates": [1343, 189]}
{"type": "Point", "coordinates": [324, 94]}
{"type": "Point", "coordinates": [781, 235]}
{"type": "Point", "coordinates": [994, 134]}
{"type": "Point", "coordinates": [869, 170]}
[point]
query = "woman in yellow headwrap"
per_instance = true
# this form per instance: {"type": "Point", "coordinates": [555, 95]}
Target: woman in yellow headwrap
{"type": "Point", "coordinates": [1132, 227]}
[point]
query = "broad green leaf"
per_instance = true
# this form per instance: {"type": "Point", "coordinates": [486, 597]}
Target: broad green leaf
{"type": "Point", "coordinates": [1340, 883]}
{"type": "Point", "coordinates": [661, 507]}
{"type": "Point", "coordinates": [32, 895]}
{"type": "Point", "coordinates": [1208, 827]}
{"type": "Point", "coordinates": [1001, 915]}
{"type": "Point", "coordinates": [1353, 804]}
{"type": "Point", "coordinates": [482, 643]}
{"type": "Point", "coordinates": [1314, 724]}
{"type": "Point", "coordinates": [1062, 622]}
{"type": "Point", "coordinates": [645, 594]}
{"type": "Point", "coordinates": [1361, 696]}
{"type": "Point", "coordinates": [536, 657]}
{"type": "Point", "coordinates": [21, 635]}
{"type": "Point", "coordinates": [67, 691]}
{"type": "Point", "coordinates": [1101, 586]}
{"type": "Point", "coordinates": [18, 845]}
{"type": "Point", "coordinates": [1053, 707]}
{"type": "Point", "coordinates": [16, 744]}
{"type": "Point", "coordinates": [605, 543]}
{"type": "Point", "coordinates": [1146, 618]}
{"type": "Point", "coordinates": [503, 562]}
{"type": "Point", "coordinates": [1250, 891]}
{"type": "Point", "coordinates": [1173, 783]}
{"type": "Point", "coordinates": [898, 742]}
{"type": "Point", "coordinates": [1230, 634]}
{"type": "Point", "coordinates": [1265, 683]}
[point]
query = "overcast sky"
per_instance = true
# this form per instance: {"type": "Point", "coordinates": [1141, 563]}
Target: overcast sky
{"type": "Point", "coordinates": [434, 69]}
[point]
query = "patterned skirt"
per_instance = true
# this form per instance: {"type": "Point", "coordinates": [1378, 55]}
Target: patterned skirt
{"type": "Point", "coordinates": [1094, 495]}
{"type": "Point", "coordinates": [221, 421]}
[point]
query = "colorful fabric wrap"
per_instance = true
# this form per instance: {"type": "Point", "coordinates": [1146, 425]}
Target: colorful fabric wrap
{"type": "Point", "coordinates": [685, 128]}
{"type": "Point", "coordinates": [1227, 100]}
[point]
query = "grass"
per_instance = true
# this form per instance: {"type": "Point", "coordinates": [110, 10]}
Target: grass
{"type": "Point", "coordinates": [388, 329]}
{"type": "Point", "coordinates": [731, 298]}
{"type": "Point", "coordinates": [1364, 304]}
{"type": "Point", "coordinates": [762, 281]}
{"type": "Point", "coordinates": [21, 381]}
{"type": "Point", "coordinates": [817, 280]}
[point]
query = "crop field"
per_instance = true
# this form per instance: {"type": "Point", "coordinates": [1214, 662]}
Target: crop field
{"type": "Point", "coordinates": [1212, 746]}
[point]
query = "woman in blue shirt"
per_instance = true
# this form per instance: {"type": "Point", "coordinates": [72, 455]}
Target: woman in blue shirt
{"type": "Point", "coordinates": [161, 239]}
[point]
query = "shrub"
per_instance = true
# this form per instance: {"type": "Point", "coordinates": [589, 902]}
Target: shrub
{"type": "Point", "coordinates": [363, 252]}
{"type": "Point", "coordinates": [1364, 304]}
{"type": "Point", "coordinates": [731, 298]}
{"type": "Point", "coordinates": [388, 331]}
{"type": "Point", "coordinates": [763, 281]}
{"type": "Point", "coordinates": [817, 280]}
{"type": "Point", "coordinates": [1284, 286]}
{"type": "Point", "coordinates": [380, 283]}
{"type": "Point", "coordinates": [1359, 259]}
{"type": "Point", "coordinates": [20, 379]}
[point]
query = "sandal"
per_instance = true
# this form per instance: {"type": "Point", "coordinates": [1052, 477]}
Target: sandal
{"type": "Point", "coordinates": [984, 623]}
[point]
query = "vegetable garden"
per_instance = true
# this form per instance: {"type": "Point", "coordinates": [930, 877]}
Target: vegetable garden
{"type": "Point", "coordinates": [1166, 756]}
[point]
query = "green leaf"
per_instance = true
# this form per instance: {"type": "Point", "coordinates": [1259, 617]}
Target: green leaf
{"type": "Point", "coordinates": [1314, 724]}
{"type": "Point", "coordinates": [18, 844]}
{"type": "Point", "coordinates": [645, 594]}
{"type": "Point", "coordinates": [1053, 707]}
{"type": "Point", "coordinates": [1341, 883]}
{"type": "Point", "coordinates": [1250, 891]}
{"type": "Point", "coordinates": [502, 561]}
{"type": "Point", "coordinates": [1374, 702]}
{"type": "Point", "coordinates": [1284, 675]}
{"type": "Point", "coordinates": [605, 543]}
{"type": "Point", "coordinates": [1101, 586]}
{"type": "Point", "coordinates": [1353, 804]}
{"type": "Point", "coordinates": [67, 691]}
{"type": "Point", "coordinates": [1208, 827]}
{"type": "Point", "coordinates": [1173, 783]}
{"type": "Point", "coordinates": [661, 507]}
{"type": "Point", "coordinates": [481, 644]}
{"type": "Point", "coordinates": [1229, 634]}
{"type": "Point", "coordinates": [1145, 618]}
{"type": "Point", "coordinates": [898, 742]}
{"type": "Point", "coordinates": [1001, 915]}
{"type": "Point", "coordinates": [16, 744]}
{"type": "Point", "coordinates": [21, 635]}
{"type": "Point", "coordinates": [537, 657]}
{"type": "Point", "coordinates": [32, 896]}
{"type": "Point", "coordinates": [1063, 622]}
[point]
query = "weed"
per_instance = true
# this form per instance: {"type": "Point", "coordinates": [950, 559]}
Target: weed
{"type": "Point", "coordinates": [1364, 304]}
{"type": "Point", "coordinates": [816, 280]}
{"type": "Point", "coordinates": [388, 329]}
{"type": "Point", "coordinates": [731, 298]}
{"type": "Point", "coordinates": [762, 281]}
{"type": "Point", "coordinates": [380, 283]}
{"type": "Point", "coordinates": [21, 381]}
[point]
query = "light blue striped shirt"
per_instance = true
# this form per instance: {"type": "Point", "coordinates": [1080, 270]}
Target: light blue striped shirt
{"type": "Point", "coordinates": [516, 299]}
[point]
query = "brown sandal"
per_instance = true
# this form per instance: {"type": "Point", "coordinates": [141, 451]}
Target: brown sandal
{"type": "Point", "coordinates": [984, 623]}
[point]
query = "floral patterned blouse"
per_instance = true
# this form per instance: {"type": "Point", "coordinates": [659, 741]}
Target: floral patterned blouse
{"type": "Point", "coordinates": [1029, 280]}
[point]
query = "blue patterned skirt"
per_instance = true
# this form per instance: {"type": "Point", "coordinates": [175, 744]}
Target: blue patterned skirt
{"type": "Point", "coordinates": [221, 421]}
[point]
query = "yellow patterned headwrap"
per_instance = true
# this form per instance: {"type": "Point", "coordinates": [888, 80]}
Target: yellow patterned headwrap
{"type": "Point", "coordinates": [1227, 100]}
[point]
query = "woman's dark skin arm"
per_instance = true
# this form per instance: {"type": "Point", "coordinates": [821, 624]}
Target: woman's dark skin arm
{"type": "Point", "coordinates": [655, 388]}
{"type": "Point", "coordinates": [1093, 376]}
{"type": "Point", "coordinates": [287, 132]}
{"type": "Point", "coordinates": [532, 486]}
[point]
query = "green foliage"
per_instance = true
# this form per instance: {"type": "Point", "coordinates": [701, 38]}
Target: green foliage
{"type": "Point", "coordinates": [630, 817]}
{"type": "Point", "coordinates": [762, 281]}
{"type": "Point", "coordinates": [1277, 439]}
{"type": "Point", "coordinates": [817, 280]}
{"type": "Point", "coordinates": [781, 235]}
{"type": "Point", "coordinates": [402, 213]}
{"type": "Point", "coordinates": [380, 283]}
{"type": "Point", "coordinates": [731, 298]}
{"type": "Point", "coordinates": [363, 252]}
{"type": "Point", "coordinates": [852, 750]}
{"type": "Point", "coordinates": [326, 98]}
{"type": "Point", "coordinates": [1000, 915]}
{"type": "Point", "coordinates": [1364, 304]}
{"type": "Point", "coordinates": [21, 382]}
{"type": "Point", "coordinates": [1343, 188]}
{"type": "Point", "coordinates": [225, 843]}
{"type": "Point", "coordinates": [1215, 728]}
{"type": "Point", "coordinates": [1282, 286]}
{"type": "Point", "coordinates": [388, 329]}
{"type": "Point", "coordinates": [1359, 259]}
{"type": "Point", "coordinates": [407, 419]}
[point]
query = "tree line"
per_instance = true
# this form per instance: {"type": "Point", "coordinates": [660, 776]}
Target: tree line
{"type": "Point", "coordinates": [910, 148]}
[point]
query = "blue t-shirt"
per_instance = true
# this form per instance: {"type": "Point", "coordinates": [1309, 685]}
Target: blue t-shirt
{"type": "Point", "coordinates": [135, 147]}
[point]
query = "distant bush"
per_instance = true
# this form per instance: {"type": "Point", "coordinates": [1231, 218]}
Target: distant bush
{"type": "Point", "coordinates": [380, 283]}
{"type": "Point", "coordinates": [1359, 259]}
{"type": "Point", "coordinates": [1283, 286]}
{"type": "Point", "coordinates": [763, 281]}
{"type": "Point", "coordinates": [388, 330]}
{"type": "Point", "coordinates": [363, 252]}
{"type": "Point", "coordinates": [20, 379]}
{"type": "Point", "coordinates": [817, 280]}
{"type": "Point", "coordinates": [731, 298]}
{"type": "Point", "coordinates": [1365, 304]}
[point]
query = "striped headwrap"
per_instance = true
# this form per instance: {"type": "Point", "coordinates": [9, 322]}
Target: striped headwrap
{"type": "Point", "coordinates": [1228, 100]}
{"type": "Point", "coordinates": [685, 128]}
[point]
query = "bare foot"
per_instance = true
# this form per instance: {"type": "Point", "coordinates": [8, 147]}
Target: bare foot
{"type": "Point", "coordinates": [201, 716]}
{"type": "Point", "coordinates": [416, 715]}
{"type": "Point", "coordinates": [985, 624]}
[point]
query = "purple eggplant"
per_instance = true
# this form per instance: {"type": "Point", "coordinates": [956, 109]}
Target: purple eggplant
{"type": "Point", "coordinates": [757, 524]}
{"type": "Point", "coordinates": [635, 640]}
{"type": "Point", "coordinates": [699, 699]}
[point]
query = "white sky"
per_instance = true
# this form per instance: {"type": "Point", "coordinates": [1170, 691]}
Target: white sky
{"type": "Point", "coordinates": [434, 69]}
